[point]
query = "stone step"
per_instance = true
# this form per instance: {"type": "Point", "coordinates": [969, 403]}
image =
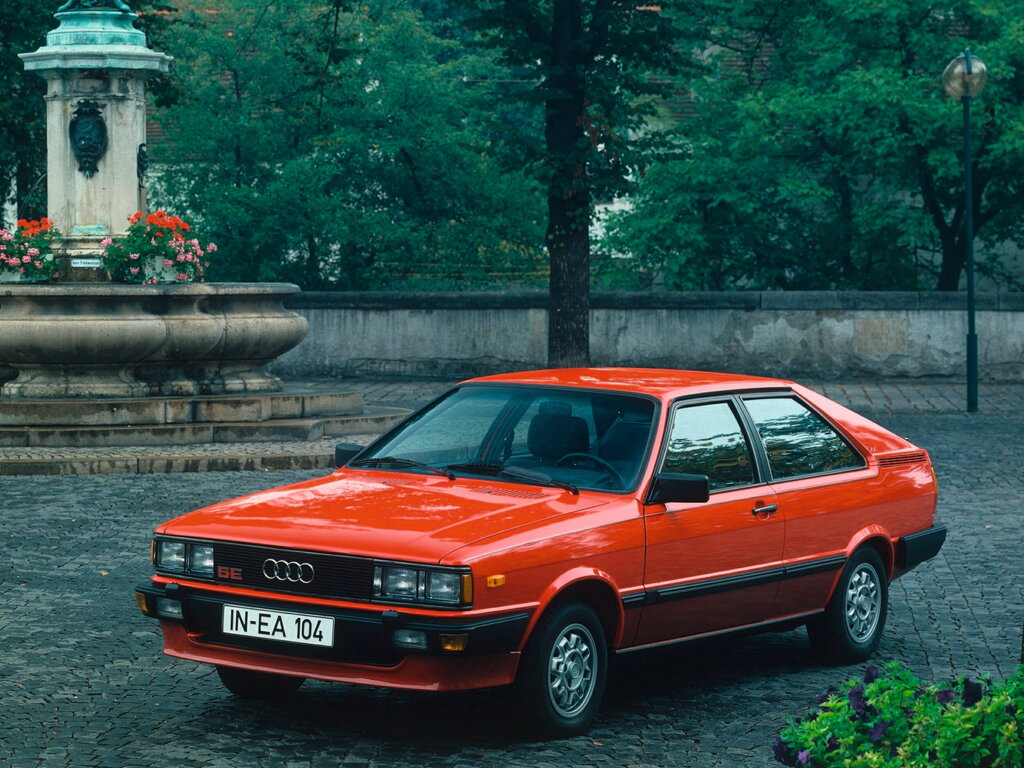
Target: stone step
{"type": "Point", "coordinates": [369, 419]}
{"type": "Point", "coordinates": [220, 457]}
{"type": "Point", "coordinates": [294, 403]}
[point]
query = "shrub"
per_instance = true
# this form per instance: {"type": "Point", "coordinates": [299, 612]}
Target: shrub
{"type": "Point", "coordinates": [155, 249]}
{"type": "Point", "coordinates": [889, 719]}
{"type": "Point", "coordinates": [27, 252]}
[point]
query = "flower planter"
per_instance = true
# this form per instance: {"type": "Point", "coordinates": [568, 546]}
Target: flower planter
{"type": "Point", "coordinates": [113, 340]}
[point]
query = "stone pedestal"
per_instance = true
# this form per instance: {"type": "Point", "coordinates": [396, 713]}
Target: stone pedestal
{"type": "Point", "coordinates": [95, 64]}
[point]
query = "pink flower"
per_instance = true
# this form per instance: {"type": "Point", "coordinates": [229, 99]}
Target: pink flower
{"type": "Point", "coordinates": [181, 276]}
{"type": "Point", "coordinates": [211, 247]}
{"type": "Point", "coordinates": [26, 258]}
{"type": "Point", "coordinates": [133, 270]}
{"type": "Point", "coordinates": [38, 264]}
{"type": "Point", "coordinates": [133, 256]}
{"type": "Point", "coordinates": [168, 263]}
{"type": "Point", "coordinates": [33, 252]}
{"type": "Point", "coordinates": [181, 257]}
{"type": "Point", "coordinates": [106, 241]}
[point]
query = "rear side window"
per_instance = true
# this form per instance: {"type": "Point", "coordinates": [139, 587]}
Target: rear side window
{"type": "Point", "coordinates": [797, 440]}
{"type": "Point", "coordinates": [707, 440]}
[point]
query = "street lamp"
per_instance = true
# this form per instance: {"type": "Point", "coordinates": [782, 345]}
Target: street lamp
{"type": "Point", "coordinates": [963, 79]}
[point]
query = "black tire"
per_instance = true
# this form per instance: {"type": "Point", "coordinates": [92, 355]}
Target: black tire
{"type": "Point", "coordinates": [563, 671]}
{"type": "Point", "coordinates": [257, 685]}
{"type": "Point", "coordinates": [851, 626]}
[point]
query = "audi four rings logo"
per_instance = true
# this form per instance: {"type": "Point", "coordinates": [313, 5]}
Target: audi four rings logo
{"type": "Point", "coordinates": [288, 570]}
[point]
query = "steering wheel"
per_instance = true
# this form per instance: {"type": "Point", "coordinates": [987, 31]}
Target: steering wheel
{"type": "Point", "coordinates": [597, 461]}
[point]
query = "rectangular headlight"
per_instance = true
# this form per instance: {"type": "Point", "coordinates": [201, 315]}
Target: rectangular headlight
{"type": "Point", "coordinates": [443, 587]}
{"type": "Point", "coordinates": [200, 560]}
{"type": "Point", "coordinates": [428, 586]}
{"type": "Point", "coordinates": [399, 583]}
{"type": "Point", "coordinates": [170, 555]}
{"type": "Point", "coordinates": [186, 557]}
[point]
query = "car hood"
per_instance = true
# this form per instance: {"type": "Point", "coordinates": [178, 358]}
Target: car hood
{"type": "Point", "coordinates": [389, 515]}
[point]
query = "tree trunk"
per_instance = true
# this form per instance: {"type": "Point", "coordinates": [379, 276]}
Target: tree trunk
{"type": "Point", "coordinates": [568, 233]}
{"type": "Point", "coordinates": [953, 257]}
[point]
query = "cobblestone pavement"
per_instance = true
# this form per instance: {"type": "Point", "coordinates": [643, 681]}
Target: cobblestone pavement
{"type": "Point", "coordinates": [82, 681]}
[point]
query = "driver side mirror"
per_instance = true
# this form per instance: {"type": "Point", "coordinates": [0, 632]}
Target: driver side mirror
{"type": "Point", "coordinates": [677, 487]}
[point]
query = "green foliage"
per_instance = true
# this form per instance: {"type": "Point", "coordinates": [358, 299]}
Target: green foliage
{"type": "Point", "coordinates": [821, 152]}
{"type": "Point", "coordinates": [342, 148]}
{"type": "Point", "coordinates": [890, 719]}
{"type": "Point", "coordinates": [621, 56]}
{"type": "Point", "coordinates": [23, 28]}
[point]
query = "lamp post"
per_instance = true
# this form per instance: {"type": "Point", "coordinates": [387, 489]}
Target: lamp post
{"type": "Point", "coordinates": [963, 79]}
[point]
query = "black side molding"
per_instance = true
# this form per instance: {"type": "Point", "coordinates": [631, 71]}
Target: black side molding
{"type": "Point", "coordinates": [914, 549]}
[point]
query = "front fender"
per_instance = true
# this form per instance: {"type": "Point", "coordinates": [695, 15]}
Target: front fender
{"type": "Point", "coordinates": [588, 585]}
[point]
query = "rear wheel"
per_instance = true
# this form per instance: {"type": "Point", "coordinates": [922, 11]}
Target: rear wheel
{"type": "Point", "coordinates": [851, 626]}
{"type": "Point", "coordinates": [257, 685]}
{"type": "Point", "coordinates": [563, 672]}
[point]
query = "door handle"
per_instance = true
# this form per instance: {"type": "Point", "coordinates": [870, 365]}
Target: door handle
{"type": "Point", "coordinates": [768, 509]}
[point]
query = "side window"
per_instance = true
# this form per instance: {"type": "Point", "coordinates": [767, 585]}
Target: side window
{"type": "Point", "coordinates": [707, 440]}
{"type": "Point", "coordinates": [797, 440]}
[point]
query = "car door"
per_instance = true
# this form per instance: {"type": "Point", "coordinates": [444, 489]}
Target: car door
{"type": "Point", "coordinates": [819, 479]}
{"type": "Point", "coordinates": [715, 565]}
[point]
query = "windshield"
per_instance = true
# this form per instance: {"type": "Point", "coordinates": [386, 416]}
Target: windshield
{"type": "Point", "coordinates": [574, 438]}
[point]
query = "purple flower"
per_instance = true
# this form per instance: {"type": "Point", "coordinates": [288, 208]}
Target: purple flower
{"type": "Point", "coordinates": [945, 696]}
{"type": "Point", "coordinates": [783, 753]}
{"type": "Point", "coordinates": [871, 674]}
{"type": "Point", "coordinates": [857, 703]}
{"type": "Point", "coordinates": [972, 692]}
{"type": "Point", "coordinates": [804, 758]}
{"type": "Point", "coordinates": [877, 732]}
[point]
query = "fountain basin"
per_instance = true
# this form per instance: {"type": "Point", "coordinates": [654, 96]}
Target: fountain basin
{"type": "Point", "coordinates": [118, 340]}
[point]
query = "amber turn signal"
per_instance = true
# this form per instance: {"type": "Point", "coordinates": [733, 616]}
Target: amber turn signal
{"type": "Point", "coordinates": [454, 642]}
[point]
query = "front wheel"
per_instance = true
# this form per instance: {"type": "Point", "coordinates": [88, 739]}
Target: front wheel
{"type": "Point", "coordinates": [851, 626]}
{"type": "Point", "coordinates": [257, 685]}
{"type": "Point", "coordinates": [563, 671]}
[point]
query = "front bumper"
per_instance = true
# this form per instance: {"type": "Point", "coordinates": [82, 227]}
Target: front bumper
{"type": "Point", "coordinates": [363, 652]}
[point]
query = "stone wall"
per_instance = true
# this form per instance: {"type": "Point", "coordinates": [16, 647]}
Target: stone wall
{"type": "Point", "coordinates": [816, 334]}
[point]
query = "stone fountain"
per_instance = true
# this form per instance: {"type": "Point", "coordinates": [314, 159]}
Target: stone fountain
{"type": "Point", "coordinates": [87, 361]}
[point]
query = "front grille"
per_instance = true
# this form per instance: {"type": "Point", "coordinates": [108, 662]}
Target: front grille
{"type": "Point", "coordinates": [334, 576]}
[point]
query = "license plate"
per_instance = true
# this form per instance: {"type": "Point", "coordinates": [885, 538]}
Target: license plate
{"type": "Point", "coordinates": [278, 625]}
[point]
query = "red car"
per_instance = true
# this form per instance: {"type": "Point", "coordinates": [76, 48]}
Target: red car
{"type": "Point", "coordinates": [523, 527]}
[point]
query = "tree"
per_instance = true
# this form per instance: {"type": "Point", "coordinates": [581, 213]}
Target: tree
{"type": "Point", "coordinates": [594, 65]}
{"type": "Point", "coordinates": [824, 154]}
{"type": "Point", "coordinates": [23, 28]}
{"type": "Point", "coordinates": [342, 147]}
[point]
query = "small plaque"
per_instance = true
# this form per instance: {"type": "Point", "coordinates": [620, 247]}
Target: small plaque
{"type": "Point", "coordinates": [86, 263]}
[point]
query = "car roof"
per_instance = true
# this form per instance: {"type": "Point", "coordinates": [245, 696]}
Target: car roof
{"type": "Point", "coordinates": [660, 382]}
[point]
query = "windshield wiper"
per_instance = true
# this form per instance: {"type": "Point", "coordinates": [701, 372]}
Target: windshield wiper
{"type": "Point", "coordinates": [538, 477]}
{"type": "Point", "coordinates": [400, 462]}
{"type": "Point", "coordinates": [472, 466]}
